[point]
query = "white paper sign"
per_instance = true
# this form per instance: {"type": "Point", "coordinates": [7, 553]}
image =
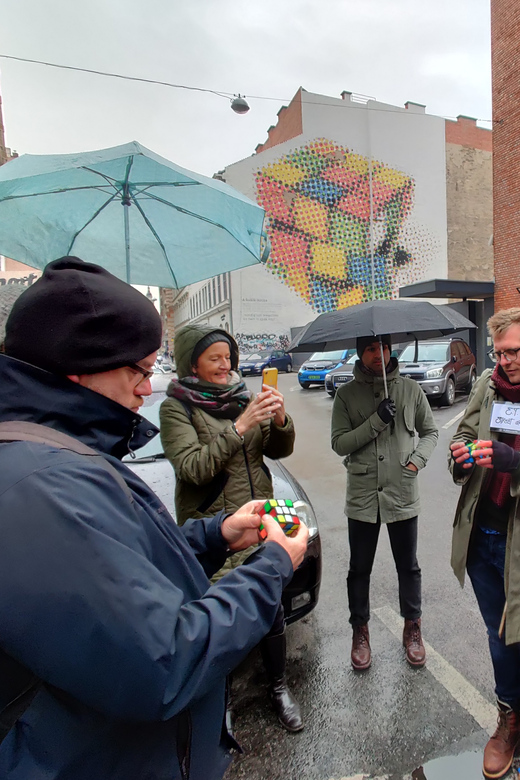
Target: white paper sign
{"type": "Point", "coordinates": [505, 418]}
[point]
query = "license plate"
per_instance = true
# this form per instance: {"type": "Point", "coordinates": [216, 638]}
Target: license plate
{"type": "Point", "coordinates": [314, 376]}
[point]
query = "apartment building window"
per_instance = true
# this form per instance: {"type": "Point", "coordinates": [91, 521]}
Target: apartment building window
{"type": "Point", "coordinates": [225, 283]}
{"type": "Point", "coordinates": [219, 290]}
{"type": "Point", "coordinates": [214, 285]}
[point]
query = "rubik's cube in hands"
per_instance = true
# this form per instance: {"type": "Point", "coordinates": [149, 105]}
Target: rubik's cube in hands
{"type": "Point", "coordinates": [472, 446]}
{"type": "Point", "coordinates": [285, 515]}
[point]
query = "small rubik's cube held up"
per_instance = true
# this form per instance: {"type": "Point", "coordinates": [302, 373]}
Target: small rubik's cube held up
{"type": "Point", "coordinates": [285, 515]}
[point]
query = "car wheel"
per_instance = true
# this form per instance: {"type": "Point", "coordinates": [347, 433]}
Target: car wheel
{"type": "Point", "coordinates": [289, 368]}
{"type": "Point", "coordinates": [472, 380]}
{"type": "Point", "coordinates": [305, 385]}
{"type": "Point", "coordinates": [332, 393]}
{"type": "Point", "coordinates": [448, 397]}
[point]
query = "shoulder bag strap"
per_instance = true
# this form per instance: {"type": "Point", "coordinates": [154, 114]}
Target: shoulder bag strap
{"type": "Point", "coordinates": [17, 430]}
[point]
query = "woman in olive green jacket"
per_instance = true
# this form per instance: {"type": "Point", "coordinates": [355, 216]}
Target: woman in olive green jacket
{"type": "Point", "coordinates": [216, 434]}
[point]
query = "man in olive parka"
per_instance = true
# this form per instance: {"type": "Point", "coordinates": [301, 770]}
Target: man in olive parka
{"type": "Point", "coordinates": [376, 434]}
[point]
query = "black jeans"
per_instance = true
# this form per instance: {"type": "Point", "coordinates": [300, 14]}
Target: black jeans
{"type": "Point", "coordinates": [363, 539]}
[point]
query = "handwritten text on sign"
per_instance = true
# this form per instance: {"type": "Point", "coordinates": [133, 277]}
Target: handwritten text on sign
{"type": "Point", "coordinates": [505, 418]}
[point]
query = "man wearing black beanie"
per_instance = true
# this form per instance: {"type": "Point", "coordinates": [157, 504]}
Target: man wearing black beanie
{"type": "Point", "coordinates": [375, 432]}
{"type": "Point", "coordinates": [114, 646]}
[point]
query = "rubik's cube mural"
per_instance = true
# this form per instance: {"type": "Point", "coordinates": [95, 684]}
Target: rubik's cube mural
{"type": "Point", "coordinates": [321, 201]}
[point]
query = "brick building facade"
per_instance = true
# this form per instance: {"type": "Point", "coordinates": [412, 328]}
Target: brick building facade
{"type": "Point", "coordinates": [469, 185]}
{"type": "Point", "coordinates": [469, 199]}
{"type": "Point", "coordinates": [5, 153]}
{"type": "Point", "coordinates": [505, 37]}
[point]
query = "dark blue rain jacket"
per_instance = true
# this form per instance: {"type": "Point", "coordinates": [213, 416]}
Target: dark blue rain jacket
{"type": "Point", "coordinates": [109, 602]}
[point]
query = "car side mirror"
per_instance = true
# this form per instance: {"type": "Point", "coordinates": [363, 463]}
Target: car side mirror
{"type": "Point", "coordinates": [453, 358]}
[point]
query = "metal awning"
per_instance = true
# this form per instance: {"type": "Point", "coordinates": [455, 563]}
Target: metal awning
{"type": "Point", "coordinates": [448, 288]}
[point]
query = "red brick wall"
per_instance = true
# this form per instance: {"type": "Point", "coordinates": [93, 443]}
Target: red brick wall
{"type": "Point", "coordinates": [505, 45]}
{"type": "Point", "coordinates": [466, 133]}
{"type": "Point", "coordinates": [289, 124]}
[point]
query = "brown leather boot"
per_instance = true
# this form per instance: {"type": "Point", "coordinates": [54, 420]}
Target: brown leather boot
{"type": "Point", "coordinates": [413, 644]}
{"type": "Point", "coordinates": [500, 750]}
{"type": "Point", "coordinates": [360, 655]}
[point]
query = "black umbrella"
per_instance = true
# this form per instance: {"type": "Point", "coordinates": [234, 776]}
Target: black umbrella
{"type": "Point", "coordinates": [403, 320]}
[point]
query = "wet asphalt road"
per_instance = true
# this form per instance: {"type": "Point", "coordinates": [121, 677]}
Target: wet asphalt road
{"type": "Point", "coordinates": [391, 720]}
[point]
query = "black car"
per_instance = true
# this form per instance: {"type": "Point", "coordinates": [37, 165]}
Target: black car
{"type": "Point", "coordinates": [441, 368]}
{"type": "Point", "coordinates": [301, 595]}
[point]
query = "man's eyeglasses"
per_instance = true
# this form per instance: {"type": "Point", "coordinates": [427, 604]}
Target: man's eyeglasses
{"type": "Point", "coordinates": [509, 354]}
{"type": "Point", "coordinates": [146, 374]}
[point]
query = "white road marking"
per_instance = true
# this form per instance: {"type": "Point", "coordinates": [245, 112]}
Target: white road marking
{"type": "Point", "coordinates": [454, 420]}
{"type": "Point", "coordinates": [462, 691]}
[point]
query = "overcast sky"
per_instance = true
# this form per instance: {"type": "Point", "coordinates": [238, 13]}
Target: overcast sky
{"type": "Point", "coordinates": [435, 52]}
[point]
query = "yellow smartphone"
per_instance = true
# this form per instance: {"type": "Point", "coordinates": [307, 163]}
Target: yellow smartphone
{"type": "Point", "coordinates": [270, 377]}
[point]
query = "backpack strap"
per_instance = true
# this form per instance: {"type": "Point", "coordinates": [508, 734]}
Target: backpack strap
{"type": "Point", "coordinates": [187, 408]}
{"type": "Point", "coordinates": [28, 683]}
{"type": "Point", "coordinates": [18, 430]}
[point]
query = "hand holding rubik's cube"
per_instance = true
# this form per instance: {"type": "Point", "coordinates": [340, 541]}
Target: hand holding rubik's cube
{"type": "Point", "coordinates": [476, 445]}
{"type": "Point", "coordinates": [284, 513]}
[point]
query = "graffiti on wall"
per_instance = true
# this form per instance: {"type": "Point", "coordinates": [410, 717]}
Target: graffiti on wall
{"type": "Point", "coordinates": [254, 342]}
{"type": "Point", "coordinates": [336, 222]}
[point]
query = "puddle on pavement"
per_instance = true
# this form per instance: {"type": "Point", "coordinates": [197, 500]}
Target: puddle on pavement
{"type": "Point", "coordinates": [466, 766]}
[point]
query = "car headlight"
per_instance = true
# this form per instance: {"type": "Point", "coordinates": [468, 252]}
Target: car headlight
{"type": "Point", "coordinates": [434, 373]}
{"type": "Point", "coordinates": [259, 365]}
{"type": "Point", "coordinates": [306, 513]}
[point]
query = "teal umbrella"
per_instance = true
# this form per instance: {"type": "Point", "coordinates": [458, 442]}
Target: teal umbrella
{"type": "Point", "coordinates": [142, 217]}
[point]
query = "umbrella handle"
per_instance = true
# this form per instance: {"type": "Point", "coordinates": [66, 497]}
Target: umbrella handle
{"type": "Point", "coordinates": [384, 367]}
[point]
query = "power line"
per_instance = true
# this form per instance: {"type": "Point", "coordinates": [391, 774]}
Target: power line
{"type": "Point", "coordinates": [115, 75]}
{"type": "Point", "coordinates": [220, 93]}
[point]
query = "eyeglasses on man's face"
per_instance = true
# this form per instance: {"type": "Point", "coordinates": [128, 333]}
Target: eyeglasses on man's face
{"type": "Point", "coordinates": [145, 373]}
{"type": "Point", "coordinates": [509, 354]}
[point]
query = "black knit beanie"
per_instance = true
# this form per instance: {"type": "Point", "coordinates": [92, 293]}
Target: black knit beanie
{"type": "Point", "coordinates": [365, 341]}
{"type": "Point", "coordinates": [209, 339]}
{"type": "Point", "coordinates": [78, 318]}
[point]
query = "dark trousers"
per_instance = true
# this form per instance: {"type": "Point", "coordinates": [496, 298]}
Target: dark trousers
{"type": "Point", "coordinates": [485, 567]}
{"type": "Point", "coordinates": [363, 539]}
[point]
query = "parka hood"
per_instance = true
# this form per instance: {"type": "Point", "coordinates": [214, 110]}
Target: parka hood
{"type": "Point", "coordinates": [392, 373]}
{"type": "Point", "coordinates": [31, 394]}
{"type": "Point", "coordinates": [187, 338]}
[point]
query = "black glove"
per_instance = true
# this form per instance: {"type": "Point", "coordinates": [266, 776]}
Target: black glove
{"type": "Point", "coordinates": [504, 457]}
{"type": "Point", "coordinates": [386, 410]}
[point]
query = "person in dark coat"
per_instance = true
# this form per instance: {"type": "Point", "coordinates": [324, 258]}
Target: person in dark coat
{"type": "Point", "coordinates": [103, 598]}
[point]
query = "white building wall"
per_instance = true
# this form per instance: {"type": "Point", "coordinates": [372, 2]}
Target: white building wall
{"type": "Point", "coordinates": [359, 196]}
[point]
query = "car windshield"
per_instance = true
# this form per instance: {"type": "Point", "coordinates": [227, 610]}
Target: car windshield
{"type": "Point", "coordinates": [242, 358]}
{"type": "Point", "coordinates": [427, 353]}
{"type": "Point", "coordinates": [150, 410]}
{"type": "Point", "coordinates": [336, 355]}
{"type": "Point", "coordinates": [259, 356]}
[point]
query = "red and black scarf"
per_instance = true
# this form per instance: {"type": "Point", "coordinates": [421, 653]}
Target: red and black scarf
{"type": "Point", "coordinates": [499, 484]}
